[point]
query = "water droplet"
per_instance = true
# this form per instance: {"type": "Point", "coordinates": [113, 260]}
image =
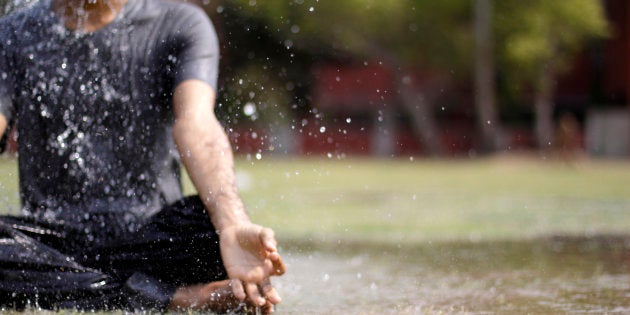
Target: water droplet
{"type": "Point", "coordinates": [289, 86]}
{"type": "Point", "coordinates": [258, 156]}
{"type": "Point", "coordinates": [249, 109]}
{"type": "Point", "coordinates": [322, 129]}
{"type": "Point", "coordinates": [326, 277]}
{"type": "Point", "coordinates": [311, 9]}
{"type": "Point", "coordinates": [348, 120]}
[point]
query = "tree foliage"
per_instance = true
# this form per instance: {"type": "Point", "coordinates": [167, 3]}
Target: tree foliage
{"type": "Point", "coordinates": [539, 33]}
{"type": "Point", "coordinates": [414, 33]}
{"type": "Point", "coordinates": [534, 39]}
{"type": "Point", "coordinates": [404, 36]}
{"type": "Point", "coordinates": [538, 40]}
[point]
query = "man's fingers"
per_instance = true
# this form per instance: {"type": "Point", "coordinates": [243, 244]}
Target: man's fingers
{"type": "Point", "coordinates": [256, 295]}
{"type": "Point", "coordinates": [268, 238]}
{"type": "Point", "coordinates": [237, 289]}
{"type": "Point", "coordinates": [253, 293]}
{"type": "Point", "coordinates": [270, 292]}
{"type": "Point", "coordinates": [267, 266]}
{"type": "Point", "coordinates": [267, 309]}
{"type": "Point", "coordinates": [278, 266]}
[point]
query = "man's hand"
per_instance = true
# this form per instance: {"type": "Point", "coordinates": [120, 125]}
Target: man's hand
{"type": "Point", "coordinates": [250, 257]}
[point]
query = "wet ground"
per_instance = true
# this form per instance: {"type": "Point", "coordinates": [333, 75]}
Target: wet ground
{"type": "Point", "coordinates": [556, 275]}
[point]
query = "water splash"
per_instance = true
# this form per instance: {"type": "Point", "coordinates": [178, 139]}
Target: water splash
{"type": "Point", "coordinates": [10, 6]}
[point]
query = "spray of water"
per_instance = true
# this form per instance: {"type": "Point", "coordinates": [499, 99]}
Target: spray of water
{"type": "Point", "coordinates": [9, 6]}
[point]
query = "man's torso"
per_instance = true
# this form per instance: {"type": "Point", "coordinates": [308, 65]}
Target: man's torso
{"type": "Point", "coordinates": [93, 110]}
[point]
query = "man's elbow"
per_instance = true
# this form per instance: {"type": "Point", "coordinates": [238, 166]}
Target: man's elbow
{"type": "Point", "coordinates": [196, 131]}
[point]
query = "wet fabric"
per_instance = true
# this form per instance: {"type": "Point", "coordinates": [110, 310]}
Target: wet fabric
{"type": "Point", "coordinates": [54, 265]}
{"type": "Point", "coordinates": [93, 110]}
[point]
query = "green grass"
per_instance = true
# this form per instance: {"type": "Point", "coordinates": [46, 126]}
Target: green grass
{"type": "Point", "coordinates": [424, 200]}
{"type": "Point", "coordinates": [9, 197]}
{"type": "Point", "coordinates": [408, 201]}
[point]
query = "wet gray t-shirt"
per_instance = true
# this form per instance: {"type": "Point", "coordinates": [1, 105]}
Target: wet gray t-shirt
{"type": "Point", "coordinates": [93, 110]}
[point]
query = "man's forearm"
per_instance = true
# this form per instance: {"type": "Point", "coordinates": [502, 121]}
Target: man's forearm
{"type": "Point", "coordinates": [3, 125]}
{"type": "Point", "coordinates": [206, 153]}
{"type": "Point", "coordinates": [207, 156]}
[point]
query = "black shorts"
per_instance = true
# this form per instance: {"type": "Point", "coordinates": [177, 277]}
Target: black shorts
{"type": "Point", "coordinates": [50, 265]}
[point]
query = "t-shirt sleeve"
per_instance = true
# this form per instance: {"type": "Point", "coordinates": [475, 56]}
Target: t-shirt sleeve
{"type": "Point", "coordinates": [198, 48]}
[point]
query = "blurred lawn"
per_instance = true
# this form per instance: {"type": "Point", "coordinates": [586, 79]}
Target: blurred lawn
{"type": "Point", "coordinates": [9, 198]}
{"type": "Point", "coordinates": [403, 200]}
{"type": "Point", "coordinates": [423, 200]}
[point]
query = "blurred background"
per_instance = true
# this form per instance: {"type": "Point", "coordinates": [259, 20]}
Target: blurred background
{"type": "Point", "coordinates": [453, 78]}
{"type": "Point", "coordinates": [424, 78]}
{"type": "Point", "coordinates": [420, 156]}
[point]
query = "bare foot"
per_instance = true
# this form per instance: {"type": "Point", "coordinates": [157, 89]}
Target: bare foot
{"type": "Point", "coordinates": [214, 296]}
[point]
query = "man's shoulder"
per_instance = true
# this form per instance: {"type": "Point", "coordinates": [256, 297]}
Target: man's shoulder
{"type": "Point", "coordinates": [167, 7]}
{"type": "Point", "coordinates": [170, 17]}
{"type": "Point", "coordinates": [179, 7]}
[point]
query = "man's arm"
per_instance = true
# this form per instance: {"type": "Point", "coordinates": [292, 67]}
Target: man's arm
{"type": "Point", "coordinates": [3, 125]}
{"type": "Point", "coordinates": [248, 250]}
{"type": "Point", "coordinates": [206, 153]}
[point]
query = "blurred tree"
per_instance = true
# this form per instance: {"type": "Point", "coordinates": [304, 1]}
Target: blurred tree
{"type": "Point", "coordinates": [403, 35]}
{"type": "Point", "coordinates": [537, 40]}
{"type": "Point", "coordinates": [262, 83]}
{"type": "Point", "coordinates": [485, 87]}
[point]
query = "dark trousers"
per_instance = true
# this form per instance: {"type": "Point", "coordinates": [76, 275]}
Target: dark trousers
{"type": "Point", "coordinates": [51, 265]}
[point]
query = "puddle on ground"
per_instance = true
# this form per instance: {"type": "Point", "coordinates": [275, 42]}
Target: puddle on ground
{"type": "Point", "coordinates": [542, 276]}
